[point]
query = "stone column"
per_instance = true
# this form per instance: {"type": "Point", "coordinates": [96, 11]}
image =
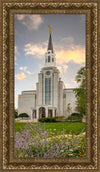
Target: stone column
{"type": "Point", "coordinates": [40, 88]}
{"type": "Point", "coordinates": [37, 113]}
{"type": "Point", "coordinates": [31, 114]}
{"type": "Point", "coordinates": [53, 112]}
{"type": "Point", "coordinates": [46, 112]}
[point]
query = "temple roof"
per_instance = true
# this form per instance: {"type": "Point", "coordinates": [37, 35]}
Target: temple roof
{"type": "Point", "coordinates": [50, 45]}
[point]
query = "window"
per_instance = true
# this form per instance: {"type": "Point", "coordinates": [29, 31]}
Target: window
{"type": "Point", "coordinates": [35, 115]}
{"type": "Point", "coordinates": [48, 73]}
{"type": "Point", "coordinates": [48, 58]}
{"type": "Point", "coordinates": [47, 90]}
{"type": "Point", "coordinates": [52, 59]}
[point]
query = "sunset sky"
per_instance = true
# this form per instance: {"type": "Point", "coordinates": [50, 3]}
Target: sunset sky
{"type": "Point", "coordinates": [31, 40]}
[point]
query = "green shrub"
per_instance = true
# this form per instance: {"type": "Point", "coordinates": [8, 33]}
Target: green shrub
{"type": "Point", "coordinates": [75, 114]}
{"type": "Point", "coordinates": [21, 115]}
{"type": "Point", "coordinates": [47, 119]}
{"type": "Point", "coordinates": [59, 117]}
{"type": "Point", "coordinates": [74, 119]}
{"type": "Point", "coordinates": [16, 113]}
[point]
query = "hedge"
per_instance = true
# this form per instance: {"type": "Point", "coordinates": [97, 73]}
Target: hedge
{"type": "Point", "coordinates": [60, 117]}
{"type": "Point", "coordinates": [74, 119]}
{"type": "Point", "coordinates": [47, 119]}
{"type": "Point", "coordinates": [21, 115]}
{"type": "Point", "coordinates": [75, 114]}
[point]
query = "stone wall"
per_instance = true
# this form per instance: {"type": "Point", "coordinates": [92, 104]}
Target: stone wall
{"type": "Point", "coordinates": [69, 97]}
{"type": "Point", "coordinates": [26, 103]}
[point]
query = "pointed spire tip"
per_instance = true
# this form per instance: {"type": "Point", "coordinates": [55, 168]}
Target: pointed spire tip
{"type": "Point", "coordinates": [50, 29]}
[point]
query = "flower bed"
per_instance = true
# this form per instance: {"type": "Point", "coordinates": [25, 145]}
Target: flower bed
{"type": "Point", "coordinates": [37, 142]}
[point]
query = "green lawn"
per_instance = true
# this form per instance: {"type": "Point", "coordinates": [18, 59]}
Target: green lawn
{"type": "Point", "coordinates": [57, 127]}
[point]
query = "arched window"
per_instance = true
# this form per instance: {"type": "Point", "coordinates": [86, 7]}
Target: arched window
{"type": "Point", "coordinates": [48, 91]}
{"type": "Point", "coordinates": [48, 58]}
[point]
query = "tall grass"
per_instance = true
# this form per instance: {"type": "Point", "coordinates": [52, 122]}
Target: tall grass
{"type": "Point", "coordinates": [74, 128]}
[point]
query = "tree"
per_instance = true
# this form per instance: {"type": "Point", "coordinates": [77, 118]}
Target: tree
{"type": "Point", "coordinates": [69, 109]}
{"type": "Point", "coordinates": [15, 113]}
{"type": "Point", "coordinates": [80, 92]}
{"type": "Point", "coordinates": [23, 115]}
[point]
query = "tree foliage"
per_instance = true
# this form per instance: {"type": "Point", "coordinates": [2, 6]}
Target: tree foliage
{"type": "Point", "coordinates": [23, 115]}
{"type": "Point", "coordinates": [15, 113]}
{"type": "Point", "coordinates": [75, 114]}
{"type": "Point", "coordinates": [80, 92]}
{"type": "Point", "coordinates": [68, 109]}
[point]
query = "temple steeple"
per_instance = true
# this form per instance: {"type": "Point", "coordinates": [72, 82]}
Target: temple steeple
{"type": "Point", "coordinates": [50, 45]}
{"type": "Point", "coordinates": [50, 55]}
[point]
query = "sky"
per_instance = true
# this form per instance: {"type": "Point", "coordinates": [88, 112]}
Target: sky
{"type": "Point", "coordinates": [31, 40]}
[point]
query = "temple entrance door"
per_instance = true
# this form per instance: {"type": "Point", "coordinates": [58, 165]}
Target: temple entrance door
{"type": "Point", "coordinates": [41, 112]}
{"type": "Point", "coordinates": [50, 113]}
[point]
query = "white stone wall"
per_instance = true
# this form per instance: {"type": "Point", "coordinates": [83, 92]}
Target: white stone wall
{"type": "Point", "coordinates": [64, 105]}
{"type": "Point", "coordinates": [43, 82]}
{"type": "Point", "coordinates": [60, 100]}
{"type": "Point", "coordinates": [40, 88]}
{"type": "Point", "coordinates": [26, 103]}
{"type": "Point", "coordinates": [55, 96]}
{"type": "Point", "coordinates": [69, 98]}
{"type": "Point", "coordinates": [37, 93]}
{"type": "Point", "coordinates": [60, 97]}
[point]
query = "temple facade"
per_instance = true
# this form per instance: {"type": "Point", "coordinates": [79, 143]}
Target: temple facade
{"type": "Point", "coordinates": [51, 98]}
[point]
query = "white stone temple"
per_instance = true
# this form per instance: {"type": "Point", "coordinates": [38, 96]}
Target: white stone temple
{"type": "Point", "coordinates": [50, 99]}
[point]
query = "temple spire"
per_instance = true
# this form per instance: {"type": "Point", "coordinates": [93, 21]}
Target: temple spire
{"type": "Point", "coordinates": [50, 29]}
{"type": "Point", "coordinates": [50, 59]}
{"type": "Point", "coordinates": [50, 45]}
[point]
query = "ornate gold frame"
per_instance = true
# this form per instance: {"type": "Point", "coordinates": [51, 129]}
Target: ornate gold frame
{"type": "Point", "coordinates": [8, 9]}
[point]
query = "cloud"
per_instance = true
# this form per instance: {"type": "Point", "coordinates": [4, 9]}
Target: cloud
{"type": "Point", "coordinates": [75, 82]}
{"type": "Point", "coordinates": [62, 68]}
{"type": "Point", "coordinates": [32, 22]}
{"type": "Point", "coordinates": [82, 18]}
{"type": "Point", "coordinates": [20, 16]}
{"type": "Point", "coordinates": [68, 40]}
{"type": "Point", "coordinates": [26, 71]}
{"type": "Point", "coordinates": [23, 68]}
{"type": "Point", "coordinates": [66, 85]}
{"type": "Point", "coordinates": [15, 54]}
{"type": "Point", "coordinates": [29, 73]}
{"type": "Point", "coordinates": [21, 76]}
{"type": "Point", "coordinates": [65, 67]}
{"type": "Point", "coordinates": [34, 49]}
{"type": "Point", "coordinates": [15, 58]}
{"type": "Point", "coordinates": [76, 54]}
{"type": "Point", "coordinates": [16, 50]}
{"type": "Point", "coordinates": [69, 52]}
{"type": "Point", "coordinates": [72, 53]}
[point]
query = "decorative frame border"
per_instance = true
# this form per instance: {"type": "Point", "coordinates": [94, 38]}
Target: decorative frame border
{"type": "Point", "coordinates": [8, 9]}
